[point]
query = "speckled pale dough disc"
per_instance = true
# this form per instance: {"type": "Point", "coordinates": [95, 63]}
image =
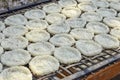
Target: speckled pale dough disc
{"type": "Point", "coordinates": [71, 12]}
{"type": "Point", "coordinates": [115, 5]}
{"type": "Point", "coordinates": [67, 3]}
{"type": "Point", "coordinates": [112, 22]}
{"type": "Point", "coordinates": [91, 16]}
{"type": "Point", "coordinates": [41, 48]}
{"type": "Point", "coordinates": [80, 33]}
{"type": "Point", "coordinates": [17, 19]}
{"type": "Point", "coordinates": [52, 8]}
{"type": "Point", "coordinates": [87, 6]}
{"type": "Point", "coordinates": [2, 37]}
{"type": "Point", "coordinates": [15, 73]}
{"type": "Point", "coordinates": [115, 32]}
{"type": "Point", "coordinates": [76, 22]}
{"type": "Point", "coordinates": [1, 50]}
{"type": "Point", "coordinates": [15, 57]}
{"type": "Point", "coordinates": [35, 14]}
{"type": "Point", "coordinates": [55, 18]}
{"type": "Point", "coordinates": [97, 27]}
{"type": "Point", "coordinates": [37, 35]}
{"type": "Point", "coordinates": [1, 67]}
{"type": "Point", "coordinates": [2, 26]}
{"type": "Point", "coordinates": [58, 28]}
{"type": "Point", "coordinates": [101, 3]}
{"type": "Point", "coordinates": [14, 31]}
{"type": "Point", "coordinates": [88, 47]}
{"type": "Point", "coordinates": [62, 40]}
{"type": "Point", "coordinates": [37, 24]}
{"type": "Point", "coordinates": [14, 43]}
{"type": "Point", "coordinates": [107, 12]}
{"type": "Point", "coordinates": [42, 65]}
{"type": "Point", "coordinates": [67, 55]}
{"type": "Point", "coordinates": [107, 41]}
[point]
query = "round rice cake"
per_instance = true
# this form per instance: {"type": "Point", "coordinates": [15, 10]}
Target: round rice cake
{"type": "Point", "coordinates": [15, 73]}
{"type": "Point", "coordinates": [2, 26]}
{"type": "Point", "coordinates": [101, 3]}
{"type": "Point", "coordinates": [55, 18]}
{"type": "Point", "coordinates": [88, 47]}
{"type": "Point", "coordinates": [80, 33]}
{"type": "Point", "coordinates": [1, 67]}
{"type": "Point", "coordinates": [16, 57]}
{"type": "Point", "coordinates": [41, 48]}
{"type": "Point", "coordinates": [52, 8]}
{"type": "Point", "coordinates": [107, 41]}
{"type": "Point", "coordinates": [67, 55]}
{"type": "Point", "coordinates": [58, 28]}
{"type": "Point", "coordinates": [42, 65]}
{"type": "Point", "coordinates": [91, 16]}
{"type": "Point", "coordinates": [107, 12]}
{"type": "Point", "coordinates": [17, 19]}
{"type": "Point", "coordinates": [62, 40]}
{"type": "Point", "coordinates": [76, 22]}
{"type": "Point", "coordinates": [15, 31]}
{"type": "Point", "coordinates": [37, 35]}
{"type": "Point", "coordinates": [87, 6]}
{"type": "Point", "coordinates": [37, 24]}
{"type": "Point", "coordinates": [115, 5]}
{"type": "Point", "coordinates": [71, 12]}
{"type": "Point", "coordinates": [97, 27]}
{"type": "Point", "coordinates": [112, 22]}
{"type": "Point", "coordinates": [115, 32]}
{"type": "Point", "coordinates": [35, 14]}
{"type": "Point", "coordinates": [14, 43]}
{"type": "Point", "coordinates": [67, 3]}
{"type": "Point", "coordinates": [2, 37]}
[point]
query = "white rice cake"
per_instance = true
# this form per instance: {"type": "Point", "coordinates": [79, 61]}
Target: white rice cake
{"type": "Point", "coordinates": [89, 47]}
{"type": "Point", "coordinates": [107, 41]}
{"type": "Point", "coordinates": [37, 35]}
{"type": "Point", "coordinates": [62, 40]}
{"type": "Point", "coordinates": [80, 33]}
{"type": "Point", "coordinates": [42, 65]}
{"type": "Point", "coordinates": [67, 55]}
{"type": "Point", "coordinates": [15, 73]}
{"type": "Point", "coordinates": [14, 43]}
{"type": "Point", "coordinates": [35, 14]}
{"type": "Point", "coordinates": [58, 28]}
{"type": "Point", "coordinates": [41, 48]}
{"type": "Point", "coordinates": [17, 19]}
{"type": "Point", "coordinates": [97, 27]}
{"type": "Point", "coordinates": [16, 57]}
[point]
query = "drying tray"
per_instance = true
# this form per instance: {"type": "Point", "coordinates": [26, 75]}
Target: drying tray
{"type": "Point", "coordinates": [77, 70]}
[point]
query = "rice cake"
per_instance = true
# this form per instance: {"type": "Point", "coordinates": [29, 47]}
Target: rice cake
{"type": "Point", "coordinates": [67, 55]}
{"type": "Point", "coordinates": [16, 57]}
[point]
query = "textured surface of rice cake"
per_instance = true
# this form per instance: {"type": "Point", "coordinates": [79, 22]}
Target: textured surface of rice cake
{"type": "Point", "coordinates": [2, 26]}
{"type": "Point", "coordinates": [41, 48]}
{"type": "Point", "coordinates": [62, 40]}
{"type": "Point", "coordinates": [42, 65]}
{"type": "Point", "coordinates": [15, 73]}
{"type": "Point", "coordinates": [67, 55]}
{"type": "Point", "coordinates": [14, 43]}
{"type": "Point", "coordinates": [35, 14]}
{"type": "Point", "coordinates": [16, 57]}
{"type": "Point", "coordinates": [17, 19]}
{"type": "Point", "coordinates": [97, 27]}
{"type": "Point", "coordinates": [107, 41]}
{"type": "Point", "coordinates": [88, 47]}
{"type": "Point", "coordinates": [37, 35]}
